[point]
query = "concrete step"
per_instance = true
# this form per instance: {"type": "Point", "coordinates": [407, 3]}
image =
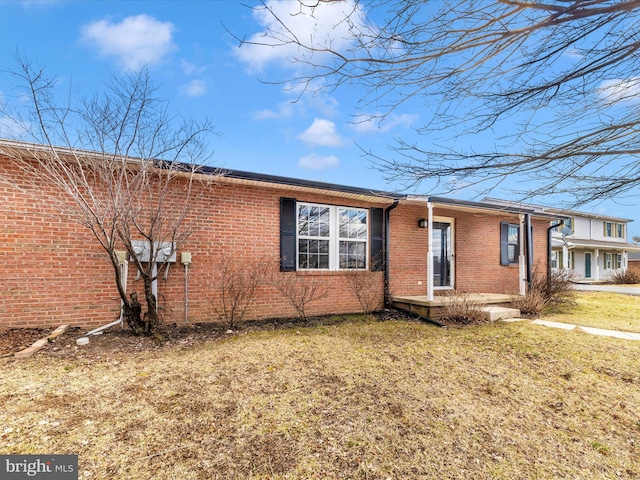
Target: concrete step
{"type": "Point", "coordinates": [500, 313]}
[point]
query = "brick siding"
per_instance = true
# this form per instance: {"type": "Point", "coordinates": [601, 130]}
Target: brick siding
{"type": "Point", "coordinates": [476, 251]}
{"type": "Point", "coordinates": [54, 272]}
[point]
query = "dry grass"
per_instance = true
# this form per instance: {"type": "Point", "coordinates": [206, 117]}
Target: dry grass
{"type": "Point", "coordinates": [363, 400]}
{"type": "Point", "coordinates": [600, 310]}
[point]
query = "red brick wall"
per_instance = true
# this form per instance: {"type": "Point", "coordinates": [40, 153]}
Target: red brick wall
{"type": "Point", "coordinates": [634, 266]}
{"type": "Point", "coordinates": [476, 250]}
{"type": "Point", "coordinates": [54, 271]}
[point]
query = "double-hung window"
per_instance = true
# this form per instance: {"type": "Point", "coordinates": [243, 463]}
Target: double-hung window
{"type": "Point", "coordinates": [608, 261]}
{"type": "Point", "coordinates": [331, 237]}
{"type": "Point", "coordinates": [608, 229]}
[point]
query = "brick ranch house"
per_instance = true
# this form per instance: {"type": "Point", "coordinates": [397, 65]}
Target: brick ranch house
{"type": "Point", "coordinates": [54, 272]}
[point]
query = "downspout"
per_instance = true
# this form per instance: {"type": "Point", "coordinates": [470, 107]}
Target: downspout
{"type": "Point", "coordinates": [430, 252]}
{"type": "Point", "coordinates": [527, 224]}
{"type": "Point", "coordinates": [387, 242]}
{"type": "Point", "coordinates": [550, 251]}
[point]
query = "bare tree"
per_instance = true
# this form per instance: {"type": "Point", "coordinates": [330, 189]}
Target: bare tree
{"type": "Point", "coordinates": [552, 85]}
{"type": "Point", "coordinates": [118, 165]}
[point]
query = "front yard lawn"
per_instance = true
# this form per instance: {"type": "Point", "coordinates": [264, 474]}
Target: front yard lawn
{"type": "Point", "coordinates": [611, 311]}
{"type": "Point", "coordinates": [359, 399]}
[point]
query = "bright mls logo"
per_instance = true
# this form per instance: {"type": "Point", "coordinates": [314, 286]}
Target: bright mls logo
{"type": "Point", "coordinates": [49, 467]}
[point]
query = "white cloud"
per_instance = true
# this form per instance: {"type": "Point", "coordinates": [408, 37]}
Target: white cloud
{"type": "Point", "coordinates": [573, 53]}
{"type": "Point", "coordinates": [374, 123]}
{"type": "Point", "coordinates": [301, 102]}
{"type": "Point", "coordinates": [620, 90]}
{"type": "Point", "coordinates": [135, 41]}
{"type": "Point", "coordinates": [322, 24]}
{"type": "Point", "coordinates": [195, 88]}
{"type": "Point", "coordinates": [12, 128]}
{"type": "Point", "coordinates": [190, 68]}
{"type": "Point", "coordinates": [323, 133]}
{"type": "Point", "coordinates": [284, 110]}
{"type": "Point", "coordinates": [318, 162]}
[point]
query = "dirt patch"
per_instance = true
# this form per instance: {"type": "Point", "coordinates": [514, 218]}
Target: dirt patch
{"type": "Point", "coordinates": [15, 339]}
{"type": "Point", "coordinates": [121, 341]}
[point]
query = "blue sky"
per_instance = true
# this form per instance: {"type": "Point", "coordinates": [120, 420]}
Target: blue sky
{"type": "Point", "coordinates": [264, 128]}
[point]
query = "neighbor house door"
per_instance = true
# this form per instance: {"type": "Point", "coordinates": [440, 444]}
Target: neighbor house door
{"type": "Point", "coordinates": [442, 248]}
{"type": "Point", "coordinates": [587, 265]}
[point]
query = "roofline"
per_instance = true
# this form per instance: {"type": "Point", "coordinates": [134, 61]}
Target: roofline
{"type": "Point", "coordinates": [230, 173]}
{"type": "Point", "coordinates": [511, 209]}
{"type": "Point", "coordinates": [297, 182]}
{"type": "Point", "coordinates": [566, 212]}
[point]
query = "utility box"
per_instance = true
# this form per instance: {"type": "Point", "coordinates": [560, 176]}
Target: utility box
{"type": "Point", "coordinates": [164, 252]}
{"type": "Point", "coordinates": [185, 258]}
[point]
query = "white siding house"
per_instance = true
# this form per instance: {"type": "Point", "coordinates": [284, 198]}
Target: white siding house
{"type": "Point", "coordinates": [593, 246]}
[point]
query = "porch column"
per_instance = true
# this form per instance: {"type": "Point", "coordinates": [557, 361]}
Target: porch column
{"type": "Point", "coordinates": [625, 260]}
{"type": "Point", "coordinates": [430, 252]}
{"type": "Point", "coordinates": [565, 256]}
{"type": "Point", "coordinates": [597, 255]}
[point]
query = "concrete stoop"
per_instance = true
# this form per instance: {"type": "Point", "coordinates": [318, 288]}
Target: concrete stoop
{"type": "Point", "coordinates": [500, 313]}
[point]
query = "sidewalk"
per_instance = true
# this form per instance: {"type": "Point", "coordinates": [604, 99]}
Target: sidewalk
{"type": "Point", "coordinates": [591, 330]}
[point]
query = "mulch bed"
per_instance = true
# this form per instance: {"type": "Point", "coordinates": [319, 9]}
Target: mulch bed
{"type": "Point", "coordinates": [115, 340]}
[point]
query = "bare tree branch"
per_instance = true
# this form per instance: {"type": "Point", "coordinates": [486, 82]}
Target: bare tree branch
{"type": "Point", "coordinates": [560, 77]}
{"type": "Point", "coordinates": [118, 165]}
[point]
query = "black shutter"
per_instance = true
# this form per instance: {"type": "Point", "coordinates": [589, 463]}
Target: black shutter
{"type": "Point", "coordinates": [504, 243]}
{"type": "Point", "coordinates": [376, 249]}
{"type": "Point", "coordinates": [287, 234]}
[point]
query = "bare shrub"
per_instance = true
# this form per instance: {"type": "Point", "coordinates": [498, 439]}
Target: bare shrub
{"type": "Point", "coordinates": [544, 290]}
{"type": "Point", "coordinates": [531, 304]}
{"type": "Point", "coordinates": [557, 288]}
{"type": "Point", "coordinates": [236, 285]}
{"type": "Point", "coordinates": [366, 287]}
{"type": "Point", "coordinates": [462, 308]}
{"type": "Point", "coordinates": [624, 277]}
{"type": "Point", "coordinates": [300, 290]}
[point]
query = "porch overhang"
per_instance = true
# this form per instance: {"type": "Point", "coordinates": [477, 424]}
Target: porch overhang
{"type": "Point", "coordinates": [558, 244]}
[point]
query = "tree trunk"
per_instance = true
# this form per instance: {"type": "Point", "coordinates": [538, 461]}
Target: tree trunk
{"type": "Point", "coordinates": [132, 311]}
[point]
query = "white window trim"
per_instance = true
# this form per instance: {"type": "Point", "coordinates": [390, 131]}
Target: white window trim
{"type": "Point", "coordinates": [334, 237]}
{"type": "Point", "coordinates": [452, 265]}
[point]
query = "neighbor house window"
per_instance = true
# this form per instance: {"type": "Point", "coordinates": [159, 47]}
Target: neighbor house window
{"type": "Point", "coordinates": [613, 229]}
{"type": "Point", "coordinates": [607, 261]}
{"type": "Point", "coordinates": [568, 223]}
{"type": "Point", "coordinates": [331, 237]}
{"type": "Point", "coordinates": [618, 258]}
{"type": "Point", "coordinates": [509, 243]}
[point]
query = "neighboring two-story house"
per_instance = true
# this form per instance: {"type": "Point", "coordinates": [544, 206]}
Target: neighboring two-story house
{"type": "Point", "coordinates": [594, 246]}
